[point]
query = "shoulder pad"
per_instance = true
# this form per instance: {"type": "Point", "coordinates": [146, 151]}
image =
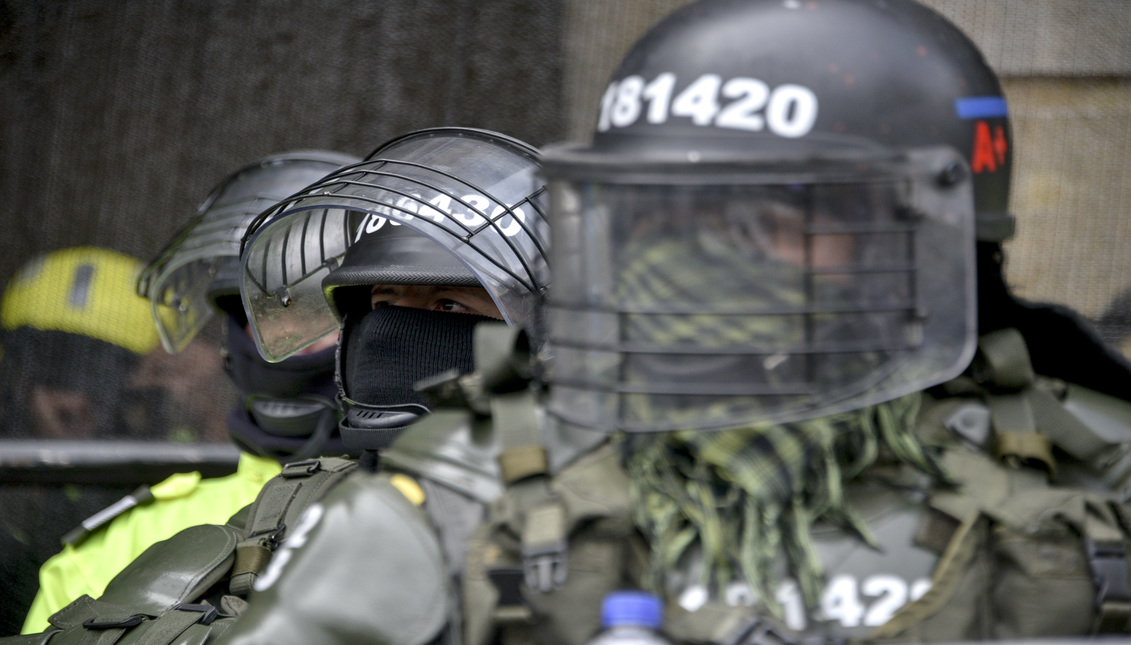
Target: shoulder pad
{"type": "Point", "coordinates": [362, 546]}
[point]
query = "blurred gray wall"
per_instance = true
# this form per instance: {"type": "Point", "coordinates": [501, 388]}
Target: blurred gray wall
{"type": "Point", "coordinates": [116, 118]}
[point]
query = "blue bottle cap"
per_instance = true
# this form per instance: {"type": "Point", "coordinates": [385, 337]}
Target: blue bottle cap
{"type": "Point", "coordinates": [632, 608]}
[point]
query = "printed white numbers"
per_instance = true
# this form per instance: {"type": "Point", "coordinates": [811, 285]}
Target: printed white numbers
{"type": "Point", "coordinates": [459, 216]}
{"type": "Point", "coordinates": [658, 94]}
{"type": "Point", "coordinates": [444, 203]}
{"type": "Point", "coordinates": [509, 229]}
{"type": "Point", "coordinates": [792, 111]}
{"type": "Point", "coordinates": [841, 603]}
{"type": "Point", "coordinates": [371, 224]}
{"type": "Point", "coordinates": [919, 587]}
{"type": "Point", "coordinates": [792, 604]}
{"type": "Point", "coordinates": [870, 602]}
{"type": "Point", "coordinates": [891, 594]}
{"type": "Point", "coordinates": [623, 101]}
{"type": "Point", "coordinates": [699, 101]}
{"type": "Point", "coordinates": [626, 104]}
{"type": "Point", "coordinates": [738, 103]}
{"type": "Point", "coordinates": [852, 602]}
{"type": "Point", "coordinates": [743, 114]}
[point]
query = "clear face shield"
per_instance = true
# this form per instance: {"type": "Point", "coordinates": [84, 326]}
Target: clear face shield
{"type": "Point", "coordinates": [201, 261]}
{"type": "Point", "coordinates": [281, 271]}
{"type": "Point", "coordinates": [180, 282]}
{"type": "Point", "coordinates": [715, 298]}
{"type": "Point", "coordinates": [473, 194]}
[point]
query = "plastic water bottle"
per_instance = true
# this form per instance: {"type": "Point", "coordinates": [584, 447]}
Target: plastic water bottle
{"type": "Point", "coordinates": [631, 618]}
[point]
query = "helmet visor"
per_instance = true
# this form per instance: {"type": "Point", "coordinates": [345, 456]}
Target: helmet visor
{"type": "Point", "coordinates": [721, 300]}
{"type": "Point", "coordinates": [180, 282]}
{"type": "Point", "coordinates": [281, 271]}
{"type": "Point", "coordinates": [201, 263]}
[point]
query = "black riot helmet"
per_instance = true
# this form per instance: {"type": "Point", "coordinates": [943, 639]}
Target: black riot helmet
{"type": "Point", "coordinates": [456, 207]}
{"type": "Point", "coordinates": [719, 73]}
{"type": "Point", "coordinates": [776, 216]}
{"type": "Point", "coordinates": [286, 410]}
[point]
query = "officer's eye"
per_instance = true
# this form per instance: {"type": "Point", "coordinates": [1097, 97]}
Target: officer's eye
{"type": "Point", "coordinates": [452, 306]}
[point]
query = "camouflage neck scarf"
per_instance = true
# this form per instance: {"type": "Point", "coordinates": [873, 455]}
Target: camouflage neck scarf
{"type": "Point", "coordinates": [746, 496]}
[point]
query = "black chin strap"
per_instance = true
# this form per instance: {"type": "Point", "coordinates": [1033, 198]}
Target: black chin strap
{"type": "Point", "coordinates": [313, 446]}
{"type": "Point", "coordinates": [371, 427]}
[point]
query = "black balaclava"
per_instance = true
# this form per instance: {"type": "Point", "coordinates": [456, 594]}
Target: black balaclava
{"type": "Point", "coordinates": [385, 352]}
{"type": "Point", "coordinates": [286, 410]}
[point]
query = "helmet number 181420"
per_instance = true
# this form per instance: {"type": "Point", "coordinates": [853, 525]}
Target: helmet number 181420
{"type": "Point", "coordinates": [738, 103]}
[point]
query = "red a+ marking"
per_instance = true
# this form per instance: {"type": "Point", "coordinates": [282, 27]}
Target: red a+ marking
{"type": "Point", "coordinates": [989, 150]}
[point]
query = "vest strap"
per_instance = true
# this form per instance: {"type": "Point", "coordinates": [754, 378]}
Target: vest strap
{"type": "Point", "coordinates": [282, 501]}
{"type": "Point", "coordinates": [511, 607]}
{"type": "Point", "coordinates": [103, 623]}
{"type": "Point", "coordinates": [518, 428]}
{"type": "Point", "coordinates": [521, 462]}
{"type": "Point", "coordinates": [1003, 360]}
{"type": "Point", "coordinates": [167, 627]}
{"type": "Point", "coordinates": [1022, 404]}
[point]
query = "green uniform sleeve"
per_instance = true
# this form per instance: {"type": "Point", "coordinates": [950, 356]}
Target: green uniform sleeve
{"type": "Point", "coordinates": [364, 565]}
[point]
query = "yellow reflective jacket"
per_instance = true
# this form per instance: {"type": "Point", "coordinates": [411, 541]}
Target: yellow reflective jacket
{"type": "Point", "coordinates": [181, 501]}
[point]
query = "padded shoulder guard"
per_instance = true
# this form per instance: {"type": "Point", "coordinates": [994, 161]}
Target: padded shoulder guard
{"type": "Point", "coordinates": [361, 565]}
{"type": "Point", "coordinates": [152, 599]}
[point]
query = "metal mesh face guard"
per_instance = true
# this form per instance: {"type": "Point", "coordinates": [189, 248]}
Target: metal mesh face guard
{"type": "Point", "coordinates": [201, 262]}
{"type": "Point", "coordinates": [472, 193]}
{"type": "Point", "coordinates": [712, 296]}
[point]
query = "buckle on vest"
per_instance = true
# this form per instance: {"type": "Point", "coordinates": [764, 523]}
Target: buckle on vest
{"type": "Point", "coordinates": [1108, 562]}
{"type": "Point", "coordinates": [511, 606]}
{"type": "Point", "coordinates": [270, 538]}
{"type": "Point", "coordinates": [544, 547]}
{"type": "Point", "coordinates": [210, 612]}
{"type": "Point", "coordinates": [303, 468]}
{"type": "Point", "coordinates": [545, 567]}
{"type": "Point", "coordinates": [132, 621]}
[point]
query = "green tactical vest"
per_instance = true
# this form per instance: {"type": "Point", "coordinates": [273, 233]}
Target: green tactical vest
{"type": "Point", "coordinates": [189, 589]}
{"type": "Point", "coordinates": [1030, 541]}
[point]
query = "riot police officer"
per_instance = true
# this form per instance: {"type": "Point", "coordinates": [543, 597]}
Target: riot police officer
{"type": "Point", "coordinates": [777, 278]}
{"type": "Point", "coordinates": [439, 232]}
{"type": "Point", "coordinates": [285, 410]}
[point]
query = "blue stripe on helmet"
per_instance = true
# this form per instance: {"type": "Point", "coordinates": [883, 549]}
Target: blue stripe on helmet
{"type": "Point", "coordinates": [980, 107]}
